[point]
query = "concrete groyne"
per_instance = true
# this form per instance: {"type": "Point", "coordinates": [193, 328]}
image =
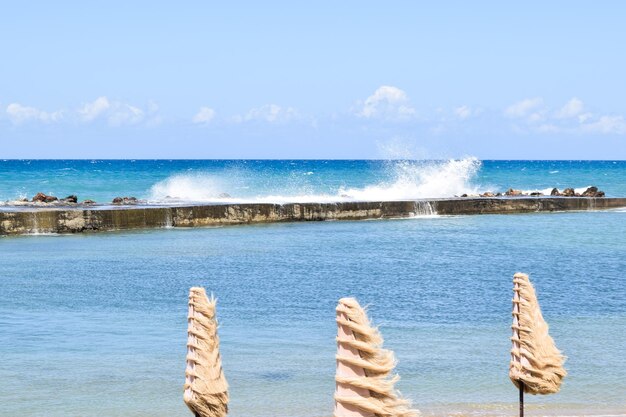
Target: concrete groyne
{"type": "Point", "coordinates": [29, 220]}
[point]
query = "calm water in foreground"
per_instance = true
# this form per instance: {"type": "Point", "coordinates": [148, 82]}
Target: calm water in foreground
{"type": "Point", "coordinates": [95, 325]}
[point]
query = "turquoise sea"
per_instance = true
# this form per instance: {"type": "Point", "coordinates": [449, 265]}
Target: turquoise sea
{"type": "Point", "coordinates": [221, 181]}
{"type": "Point", "coordinates": [95, 324]}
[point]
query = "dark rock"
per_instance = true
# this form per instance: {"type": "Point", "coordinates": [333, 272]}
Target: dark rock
{"type": "Point", "coordinates": [499, 195]}
{"type": "Point", "coordinates": [512, 192]}
{"type": "Point", "coordinates": [555, 192]}
{"type": "Point", "coordinates": [125, 200]}
{"type": "Point", "coordinates": [600, 194]}
{"type": "Point", "coordinates": [43, 198]}
{"type": "Point", "coordinates": [39, 197]}
{"type": "Point", "coordinates": [23, 200]}
{"type": "Point", "coordinates": [569, 192]}
{"type": "Point", "coordinates": [89, 202]}
{"type": "Point", "coordinates": [463, 195]}
{"type": "Point", "coordinates": [590, 192]}
{"type": "Point", "coordinates": [70, 199]}
{"type": "Point", "coordinates": [536, 193]}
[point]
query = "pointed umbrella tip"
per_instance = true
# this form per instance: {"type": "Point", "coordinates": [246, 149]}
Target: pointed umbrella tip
{"type": "Point", "coordinates": [364, 379]}
{"type": "Point", "coordinates": [348, 301]}
{"type": "Point", "coordinates": [197, 291]}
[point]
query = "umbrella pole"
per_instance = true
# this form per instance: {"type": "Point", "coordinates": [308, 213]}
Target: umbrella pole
{"type": "Point", "coordinates": [521, 399]}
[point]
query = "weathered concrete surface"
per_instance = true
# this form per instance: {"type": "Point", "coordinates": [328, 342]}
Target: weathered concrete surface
{"type": "Point", "coordinates": [523, 204]}
{"type": "Point", "coordinates": [76, 220]}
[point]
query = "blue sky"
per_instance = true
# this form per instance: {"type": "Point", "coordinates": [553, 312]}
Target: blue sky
{"type": "Point", "coordinates": [532, 80]}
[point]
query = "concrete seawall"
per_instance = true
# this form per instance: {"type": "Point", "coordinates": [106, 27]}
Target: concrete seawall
{"type": "Point", "coordinates": [28, 220]}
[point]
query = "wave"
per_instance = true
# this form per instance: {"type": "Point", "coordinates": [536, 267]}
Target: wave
{"type": "Point", "coordinates": [407, 180]}
{"type": "Point", "coordinates": [547, 191]}
{"type": "Point", "coordinates": [208, 188]}
{"type": "Point", "coordinates": [414, 180]}
{"type": "Point", "coordinates": [188, 188]}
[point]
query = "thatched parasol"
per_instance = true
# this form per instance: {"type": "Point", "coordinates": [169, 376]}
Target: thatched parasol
{"type": "Point", "coordinates": [536, 363]}
{"type": "Point", "coordinates": [364, 380]}
{"type": "Point", "coordinates": [206, 389]}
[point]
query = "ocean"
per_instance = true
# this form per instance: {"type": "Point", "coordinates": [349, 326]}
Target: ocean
{"type": "Point", "coordinates": [95, 324]}
{"type": "Point", "coordinates": [281, 181]}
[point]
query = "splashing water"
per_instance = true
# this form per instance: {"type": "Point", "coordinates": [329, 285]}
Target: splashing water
{"type": "Point", "coordinates": [547, 191]}
{"type": "Point", "coordinates": [189, 188]}
{"type": "Point", "coordinates": [418, 179]}
{"type": "Point", "coordinates": [209, 181]}
{"type": "Point", "coordinates": [401, 180]}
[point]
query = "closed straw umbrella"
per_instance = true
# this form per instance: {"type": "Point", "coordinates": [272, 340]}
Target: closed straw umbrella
{"type": "Point", "coordinates": [536, 364]}
{"type": "Point", "coordinates": [364, 379]}
{"type": "Point", "coordinates": [206, 389]}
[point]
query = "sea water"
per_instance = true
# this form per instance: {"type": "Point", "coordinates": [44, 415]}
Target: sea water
{"type": "Point", "coordinates": [223, 181]}
{"type": "Point", "coordinates": [95, 324]}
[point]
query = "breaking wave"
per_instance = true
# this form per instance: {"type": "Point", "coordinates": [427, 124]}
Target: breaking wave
{"type": "Point", "coordinates": [414, 179]}
{"type": "Point", "coordinates": [402, 180]}
{"type": "Point", "coordinates": [188, 188]}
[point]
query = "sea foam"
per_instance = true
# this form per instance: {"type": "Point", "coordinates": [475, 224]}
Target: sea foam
{"type": "Point", "coordinates": [406, 180]}
{"type": "Point", "coordinates": [189, 188]}
{"type": "Point", "coordinates": [422, 179]}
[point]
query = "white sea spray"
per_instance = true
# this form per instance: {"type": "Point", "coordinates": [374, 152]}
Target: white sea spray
{"type": "Point", "coordinates": [406, 180]}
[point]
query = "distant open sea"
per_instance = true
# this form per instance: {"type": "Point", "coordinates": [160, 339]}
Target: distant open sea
{"type": "Point", "coordinates": [95, 324]}
{"type": "Point", "coordinates": [221, 181]}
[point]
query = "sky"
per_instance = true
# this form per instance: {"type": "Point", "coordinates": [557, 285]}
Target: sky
{"type": "Point", "coordinates": [324, 79]}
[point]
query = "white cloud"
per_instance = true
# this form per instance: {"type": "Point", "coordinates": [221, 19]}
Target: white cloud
{"type": "Point", "coordinates": [582, 118]}
{"type": "Point", "coordinates": [91, 111]}
{"type": "Point", "coordinates": [525, 108]}
{"type": "Point", "coordinates": [153, 118]}
{"type": "Point", "coordinates": [606, 125]}
{"type": "Point", "coordinates": [271, 113]}
{"type": "Point", "coordinates": [536, 117]}
{"type": "Point", "coordinates": [115, 112]}
{"type": "Point", "coordinates": [465, 112]}
{"type": "Point", "coordinates": [204, 115]}
{"type": "Point", "coordinates": [574, 107]}
{"type": "Point", "coordinates": [19, 114]}
{"type": "Point", "coordinates": [387, 102]}
{"type": "Point", "coordinates": [570, 118]}
{"type": "Point", "coordinates": [125, 114]}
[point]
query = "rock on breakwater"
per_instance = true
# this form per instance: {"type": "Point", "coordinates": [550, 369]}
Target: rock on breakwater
{"type": "Point", "coordinates": [84, 219]}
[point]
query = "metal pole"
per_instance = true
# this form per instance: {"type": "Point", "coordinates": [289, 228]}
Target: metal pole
{"type": "Point", "coordinates": [521, 399]}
